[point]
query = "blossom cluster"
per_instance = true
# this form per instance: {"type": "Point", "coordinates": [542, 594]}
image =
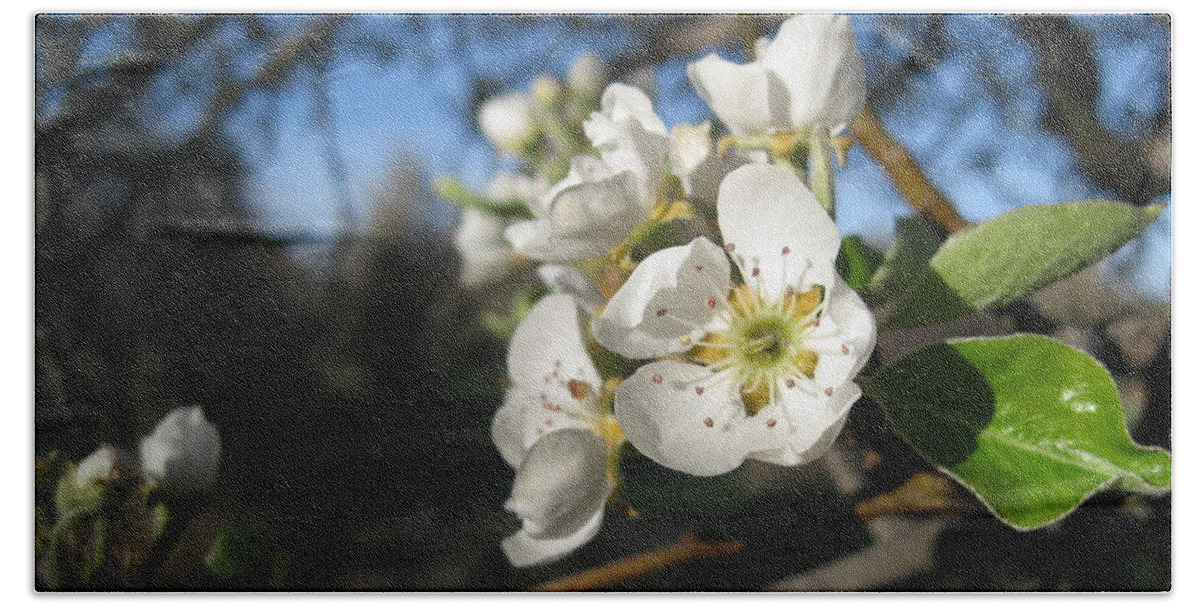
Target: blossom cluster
{"type": "Point", "coordinates": [706, 266]}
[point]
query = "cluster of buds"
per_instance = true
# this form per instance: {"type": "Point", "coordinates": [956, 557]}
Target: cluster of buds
{"type": "Point", "coordinates": [108, 512]}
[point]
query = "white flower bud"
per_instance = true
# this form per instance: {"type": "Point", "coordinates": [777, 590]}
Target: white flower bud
{"type": "Point", "coordinates": [97, 467]}
{"type": "Point", "coordinates": [183, 453]}
{"type": "Point", "coordinates": [507, 121]}
{"type": "Point", "coordinates": [84, 486]}
{"type": "Point", "coordinates": [546, 91]}
{"type": "Point", "coordinates": [587, 76]}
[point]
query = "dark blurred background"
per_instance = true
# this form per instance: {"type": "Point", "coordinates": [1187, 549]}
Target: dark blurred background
{"type": "Point", "coordinates": [234, 212]}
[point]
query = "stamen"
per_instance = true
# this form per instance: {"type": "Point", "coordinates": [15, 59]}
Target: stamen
{"type": "Point", "coordinates": [771, 423]}
{"type": "Point", "coordinates": [699, 390]}
{"type": "Point", "coordinates": [660, 312]}
{"type": "Point", "coordinates": [656, 378]}
{"type": "Point", "coordinates": [829, 392]}
{"type": "Point", "coordinates": [729, 247]}
{"type": "Point", "coordinates": [845, 349]}
{"type": "Point", "coordinates": [708, 422]}
{"type": "Point", "coordinates": [711, 302]}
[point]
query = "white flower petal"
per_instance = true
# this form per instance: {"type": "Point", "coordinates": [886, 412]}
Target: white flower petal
{"type": "Point", "coordinates": [690, 145]}
{"type": "Point", "coordinates": [817, 58]}
{"type": "Point", "coordinates": [622, 102]}
{"type": "Point", "coordinates": [509, 429]}
{"type": "Point", "coordinates": [845, 338]}
{"type": "Point", "coordinates": [98, 466]}
{"type": "Point", "coordinates": [747, 98]}
{"type": "Point", "coordinates": [531, 412]}
{"type": "Point", "coordinates": [686, 418]}
{"type": "Point", "coordinates": [559, 489]}
{"type": "Point", "coordinates": [630, 137]}
{"type": "Point", "coordinates": [567, 280]}
{"type": "Point", "coordinates": [183, 453]}
{"type": "Point", "coordinates": [588, 216]}
{"type": "Point", "coordinates": [814, 423]}
{"type": "Point", "coordinates": [547, 346]}
{"type": "Point", "coordinates": [481, 248]}
{"type": "Point", "coordinates": [674, 292]}
{"type": "Point", "coordinates": [524, 551]}
{"type": "Point", "coordinates": [773, 223]}
{"type": "Point", "coordinates": [507, 121]}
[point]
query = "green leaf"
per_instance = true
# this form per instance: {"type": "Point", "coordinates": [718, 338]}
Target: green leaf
{"type": "Point", "coordinates": [998, 261]}
{"type": "Point", "coordinates": [1031, 426]}
{"type": "Point", "coordinates": [915, 243]}
{"type": "Point", "coordinates": [856, 261]}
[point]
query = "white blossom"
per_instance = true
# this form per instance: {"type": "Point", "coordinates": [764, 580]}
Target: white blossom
{"type": "Point", "coordinates": [809, 77]}
{"type": "Point", "coordinates": [759, 370]}
{"type": "Point", "coordinates": [183, 453]}
{"type": "Point", "coordinates": [587, 76]}
{"type": "Point", "coordinates": [485, 256]}
{"type": "Point", "coordinates": [602, 199]}
{"type": "Point", "coordinates": [508, 121]}
{"type": "Point", "coordinates": [556, 429]}
{"type": "Point", "coordinates": [97, 467]}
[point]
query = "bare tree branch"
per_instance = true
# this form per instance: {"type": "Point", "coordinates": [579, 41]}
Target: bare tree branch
{"type": "Point", "coordinates": [1067, 70]}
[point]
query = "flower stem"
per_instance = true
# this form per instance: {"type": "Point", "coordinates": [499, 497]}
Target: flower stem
{"type": "Point", "coordinates": [454, 191]}
{"type": "Point", "coordinates": [821, 173]}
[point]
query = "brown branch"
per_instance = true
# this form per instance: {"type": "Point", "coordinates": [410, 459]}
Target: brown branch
{"type": "Point", "coordinates": [688, 548]}
{"type": "Point", "coordinates": [283, 58]}
{"type": "Point", "coordinates": [922, 195]}
{"type": "Point", "coordinates": [1069, 76]}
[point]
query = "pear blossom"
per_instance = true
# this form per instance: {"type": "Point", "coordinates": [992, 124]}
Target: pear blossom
{"type": "Point", "coordinates": [557, 430]}
{"type": "Point", "coordinates": [602, 199]}
{"type": "Point", "coordinates": [183, 453]}
{"type": "Point", "coordinates": [84, 487]}
{"type": "Point", "coordinates": [810, 76]}
{"type": "Point", "coordinates": [763, 369]}
{"type": "Point", "coordinates": [587, 75]}
{"type": "Point", "coordinates": [700, 171]}
{"type": "Point", "coordinates": [508, 121]}
{"type": "Point", "coordinates": [485, 255]}
{"type": "Point", "coordinates": [101, 465]}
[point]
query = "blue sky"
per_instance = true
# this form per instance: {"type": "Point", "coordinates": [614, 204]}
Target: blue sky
{"type": "Point", "coordinates": [977, 139]}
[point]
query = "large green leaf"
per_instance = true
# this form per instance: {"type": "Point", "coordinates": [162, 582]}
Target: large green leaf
{"type": "Point", "coordinates": [1033, 427]}
{"type": "Point", "coordinates": [1000, 260]}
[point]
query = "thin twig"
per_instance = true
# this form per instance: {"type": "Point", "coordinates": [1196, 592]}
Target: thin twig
{"type": "Point", "coordinates": [905, 174]}
{"type": "Point", "coordinates": [688, 548]}
{"type": "Point", "coordinates": [903, 548]}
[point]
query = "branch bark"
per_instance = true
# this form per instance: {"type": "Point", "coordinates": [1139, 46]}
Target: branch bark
{"type": "Point", "coordinates": [688, 548]}
{"type": "Point", "coordinates": [924, 197]}
{"type": "Point", "coordinates": [1067, 70]}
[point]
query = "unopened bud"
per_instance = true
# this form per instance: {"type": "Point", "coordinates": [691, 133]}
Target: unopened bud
{"type": "Point", "coordinates": [183, 454]}
{"type": "Point", "coordinates": [588, 76]}
{"type": "Point", "coordinates": [83, 487]}
{"type": "Point", "coordinates": [546, 91]}
{"type": "Point", "coordinates": [507, 121]}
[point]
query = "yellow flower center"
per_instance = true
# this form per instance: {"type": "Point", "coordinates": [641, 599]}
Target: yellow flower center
{"type": "Point", "coordinates": [763, 341]}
